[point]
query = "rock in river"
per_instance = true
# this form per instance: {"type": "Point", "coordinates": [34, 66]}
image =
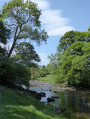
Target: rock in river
{"type": "Point", "coordinates": [50, 99]}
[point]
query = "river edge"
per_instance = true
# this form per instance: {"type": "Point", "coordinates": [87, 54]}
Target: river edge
{"type": "Point", "coordinates": [65, 87]}
{"type": "Point", "coordinates": [12, 103]}
{"type": "Point", "coordinates": [79, 93]}
{"type": "Point", "coordinates": [24, 92]}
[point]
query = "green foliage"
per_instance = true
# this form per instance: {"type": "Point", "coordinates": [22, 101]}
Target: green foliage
{"type": "Point", "coordinates": [26, 54]}
{"type": "Point", "coordinates": [39, 71]}
{"type": "Point", "coordinates": [72, 37]}
{"type": "Point", "coordinates": [23, 20]}
{"type": "Point", "coordinates": [53, 64]}
{"type": "Point", "coordinates": [35, 72]}
{"type": "Point", "coordinates": [12, 73]}
{"type": "Point", "coordinates": [2, 50]}
{"type": "Point", "coordinates": [43, 71]}
{"type": "Point", "coordinates": [75, 59]}
{"type": "Point", "coordinates": [4, 33]}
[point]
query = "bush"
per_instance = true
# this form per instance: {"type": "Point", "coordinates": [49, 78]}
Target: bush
{"type": "Point", "coordinates": [43, 74]}
{"type": "Point", "coordinates": [44, 71]}
{"type": "Point", "coordinates": [12, 73]}
{"type": "Point", "coordinates": [35, 72]}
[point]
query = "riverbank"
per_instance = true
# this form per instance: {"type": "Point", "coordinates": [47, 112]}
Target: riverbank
{"type": "Point", "coordinates": [45, 85]}
{"type": "Point", "coordinates": [51, 79]}
{"type": "Point", "coordinates": [23, 106]}
{"type": "Point", "coordinates": [76, 102]}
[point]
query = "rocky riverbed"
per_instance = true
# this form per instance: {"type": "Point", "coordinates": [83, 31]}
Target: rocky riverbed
{"type": "Point", "coordinates": [76, 101]}
{"type": "Point", "coordinates": [45, 86]}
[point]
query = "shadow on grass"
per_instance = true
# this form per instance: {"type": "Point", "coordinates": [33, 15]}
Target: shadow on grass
{"type": "Point", "coordinates": [24, 112]}
{"type": "Point", "coordinates": [16, 106]}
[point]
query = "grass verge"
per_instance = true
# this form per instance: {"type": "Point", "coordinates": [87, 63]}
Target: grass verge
{"type": "Point", "coordinates": [16, 106]}
{"type": "Point", "coordinates": [48, 78]}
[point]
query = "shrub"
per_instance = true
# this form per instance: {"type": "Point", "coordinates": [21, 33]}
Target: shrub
{"type": "Point", "coordinates": [12, 73]}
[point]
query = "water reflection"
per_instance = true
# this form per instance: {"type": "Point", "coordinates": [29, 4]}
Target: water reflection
{"type": "Point", "coordinates": [76, 102]}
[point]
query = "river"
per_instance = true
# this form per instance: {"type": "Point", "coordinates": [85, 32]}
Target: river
{"type": "Point", "coordinates": [76, 102]}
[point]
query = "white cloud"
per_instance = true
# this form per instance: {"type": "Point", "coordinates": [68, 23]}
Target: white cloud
{"type": "Point", "coordinates": [52, 20]}
{"type": "Point", "coordinates": [54, 23]}
{"type": "Point", "coordinates": [59, 30]}
{"type": "Point", "coordinates": [53, 17]}
{"type": "Point", "coordinates": [43, 4]}
{"type": "Point", "coordinates": [44, 59]}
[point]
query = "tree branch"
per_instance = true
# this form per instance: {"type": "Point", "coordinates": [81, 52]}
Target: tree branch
{"type": "Point", "coordinates": [14, 42]}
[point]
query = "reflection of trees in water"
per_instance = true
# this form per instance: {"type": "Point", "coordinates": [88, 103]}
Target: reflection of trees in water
{"type": "Point", "coordinates": [74, 102]}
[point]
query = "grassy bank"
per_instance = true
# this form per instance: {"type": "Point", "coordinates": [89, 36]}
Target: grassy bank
{"type": "Point", "coordinates": [16, 106]}
{"type": "Point", "coordinates": [48, 78]}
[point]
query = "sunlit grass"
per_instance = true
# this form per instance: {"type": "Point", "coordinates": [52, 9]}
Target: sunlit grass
{"type": "Point", "coordinates": [16, 106]}
{"type": "Point", "coordinates": [48, 78]}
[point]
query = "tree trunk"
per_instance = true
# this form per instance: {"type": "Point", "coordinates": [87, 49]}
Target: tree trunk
{"type": "Point", "coordinates": [13, 45]}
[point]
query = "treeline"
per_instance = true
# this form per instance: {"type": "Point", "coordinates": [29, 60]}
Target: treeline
{"type": "Point", "coordinates": [40, 71]}
{"type": "Point", "coordinates": [71, 63]}
{"type": "Point", "coordinates": [19, 25]}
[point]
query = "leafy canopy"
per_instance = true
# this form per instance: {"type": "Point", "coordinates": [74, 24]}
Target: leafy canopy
{"type": "Point", "coordinates": [26, 54]}
{"type": "Point", "coordinates": [4, 33]}
{"type": "Point", "coordinates": [23, 20]}
{"type": "Point", "coordinates": [72, 37]}
{"type": "Point", "coordinates": [74, 65]}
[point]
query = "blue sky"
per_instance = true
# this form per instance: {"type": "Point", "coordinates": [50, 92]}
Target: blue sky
{"type": "Point", "coordinates": [58, 17]}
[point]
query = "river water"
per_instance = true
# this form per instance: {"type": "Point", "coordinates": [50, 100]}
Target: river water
{"type": "Point", "coordinates": [76, 102]}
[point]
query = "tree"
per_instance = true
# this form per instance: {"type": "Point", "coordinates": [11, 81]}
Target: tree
{"type": "Point", "coordinates": [75, 59]}
{"type": "Point", "coordinates": [53, 64]}
{"type": "Point", "coordinates": [35, 72]}
{"type": "Point", "coordinates": [23, 20]}
{"type": "Point", "coordinates": [43, 71]}
{"type": "Point", "coordinates": [26, 54]}
{"type": "Point", "coordinates": [72, 37]}
{"type": "Point", "coordinates": [11, 73]}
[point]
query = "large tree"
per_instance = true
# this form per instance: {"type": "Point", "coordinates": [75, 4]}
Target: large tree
{"type": "Point", "coordinates": [75, 59]}
{"type": "Point", "coordinates": [75, 65]}
{"type": "Point", "coordinates": [71, 37]}
{"type": "Point", "coordinates": [23, 20]}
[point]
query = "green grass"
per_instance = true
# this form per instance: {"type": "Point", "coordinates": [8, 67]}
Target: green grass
{"type": "Point", "coordinates": [16, 106]}
{"type": "Point", "coordinates": [48, 78]}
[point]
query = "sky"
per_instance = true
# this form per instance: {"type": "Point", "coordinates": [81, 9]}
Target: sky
{"type": "Point", "coordinates": [58, 17]}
